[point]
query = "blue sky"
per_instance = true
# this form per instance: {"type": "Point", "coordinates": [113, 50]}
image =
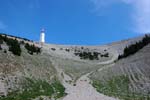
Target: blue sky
{"type": "Point", "coordinates": [90, 22]}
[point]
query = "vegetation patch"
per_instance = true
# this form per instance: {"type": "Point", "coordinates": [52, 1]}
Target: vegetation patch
{"type": "Point", "coordinates": [53, 49]}
{"type": "Point", "coordinates": [88, 55]}
{"type": "Point", "coordinates": [132, 49]}
{"type": "Point", "coordinates": [13, 44]}
{"type": "Point", "coordinates": [32, 49]}
{"type": "Point", "coordinates": [118, 87]}
{"type": "Point", "coordinates": [35, 88]}
{"type": "Point", "coordinates": [58, 89]}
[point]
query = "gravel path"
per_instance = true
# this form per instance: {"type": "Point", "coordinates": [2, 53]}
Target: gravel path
{"type": "Point", "coordinates": [84, 91]}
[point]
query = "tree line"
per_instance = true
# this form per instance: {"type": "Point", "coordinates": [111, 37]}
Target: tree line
{"type": "Point", "coordinates": [15, 46]}
{"type": "Point", "coordinates": [133, 48]}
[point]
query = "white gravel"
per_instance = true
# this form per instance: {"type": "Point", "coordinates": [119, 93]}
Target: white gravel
{"type": "Point", "coordinates": [84, 91]}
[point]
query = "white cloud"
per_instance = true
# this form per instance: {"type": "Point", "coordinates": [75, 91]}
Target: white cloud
{"type": "Point", "coordinates": [140, 14]}
{"type": "Point", "coordinates": [2, 25]}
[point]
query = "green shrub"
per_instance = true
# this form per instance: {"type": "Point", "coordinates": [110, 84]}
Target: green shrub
{"type": "Point", "coordinates": [32, 49]}
{"type": "Point", "coordinates": [1, 40]}
{"type": "Point", "coordinates": [5, 51]}
{"type": "Point", "coordinates": [14, 47]}
{"type": "Point", "coordinates": [1, 47]}
{"type": "Point", "coordinates": [59, 89]}
{"type": "Point", "coordinates": [88, 55]}
{"type": "Point", "coordinates": [53, 49]}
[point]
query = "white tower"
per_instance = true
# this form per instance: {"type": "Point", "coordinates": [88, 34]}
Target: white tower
{"type": "Point", "coordinates": [42, 37]}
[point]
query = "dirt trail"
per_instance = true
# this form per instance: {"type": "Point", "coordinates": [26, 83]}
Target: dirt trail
{"type": "Point", "coordinates": [82, 89]}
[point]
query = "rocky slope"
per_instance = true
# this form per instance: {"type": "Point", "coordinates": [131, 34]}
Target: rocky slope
{"type": "Point", "coordinates": [75, 67]}
{"type": "Point", "coordinates": [130, 74]}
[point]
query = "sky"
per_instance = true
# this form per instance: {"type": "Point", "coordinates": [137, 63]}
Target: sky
{"type": "Point", "coordinates": [80, 22]}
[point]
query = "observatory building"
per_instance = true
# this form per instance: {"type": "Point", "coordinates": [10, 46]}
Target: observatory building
{"type": "Point", "coordinates": [42, 36]}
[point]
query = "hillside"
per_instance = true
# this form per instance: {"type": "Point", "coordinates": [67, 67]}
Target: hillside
{"type": "Point", "coordinates": [71, 72]}
{"type": "Point", "coordinates": [18, 73]}
{"type": "Point", "coordinates": [127, 78]}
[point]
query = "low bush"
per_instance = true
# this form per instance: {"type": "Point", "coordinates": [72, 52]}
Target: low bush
{"type": "Point", "coordinates": [1, 47]}
{"type": "Point", "coordinates": [90, 55]}
{"type": "Point", "coordinates": [53, 49]}
{"type": "Point", "coordinates": [58, 89]}
{"type": "Point", "coordinates": [32, 49]}
{"type": "Point", "coordinates": [5, 51]}
{"type": "Point", "coordinates": [14, 47]}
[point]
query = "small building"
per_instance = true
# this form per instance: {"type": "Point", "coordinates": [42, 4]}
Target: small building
{"type": "Point", "coordinates": [42, 36]}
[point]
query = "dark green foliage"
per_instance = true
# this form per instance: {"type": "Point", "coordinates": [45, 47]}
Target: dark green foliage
{"type": "Point", "coordinates": [95, 55]}
{"type": "Point", "coordinates": [106, 55]}
{"type": "Point", "coordinates": [1, 42]}
{"type": "Point", "coordinates": [22, 42]}
{"type": "Point", "coordinates": [0, 47]}
{"type": "Point", "coordinates": [5, 51]}
{"type": "Point", "coordinates": [132, 49]}
{"type": "Point", "coordinates": [118, 87]}
{"type": "Point", "coordinates": [68, 50]}
{"type": "Point", "coordinates": [88, 55]}
{"type": "Point", "coordinates": [1, 39]}
{"type": "Point", "coordinates": [32, 49]}
{"type": "Point", "coordinates": [53, 49]}
{"type": "Point", "coordinates": [59, 89]}
{"type": "Point", "coordinates": [14, 45]}
{"type": "Point", "coordinates": [35, 88]}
